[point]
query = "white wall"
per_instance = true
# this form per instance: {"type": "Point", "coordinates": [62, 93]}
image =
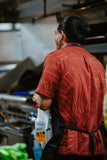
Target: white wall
{"type": "Point", "coordinates": [34, 41]}
{"type": "Point", "coordinates": [38, 39]}
{"type": "Point", "coordinates": [10, 46]}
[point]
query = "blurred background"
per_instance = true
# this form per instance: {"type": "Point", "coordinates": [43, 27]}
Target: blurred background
{"type": "Point", "coordinates": [26, 37]}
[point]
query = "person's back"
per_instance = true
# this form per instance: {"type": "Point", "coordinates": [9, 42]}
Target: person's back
{"type": "Point", "coordinates": [79, 97]}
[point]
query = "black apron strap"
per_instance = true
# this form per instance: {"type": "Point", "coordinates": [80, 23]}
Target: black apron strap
{"type": "Point", "coordinates": [92, 136]}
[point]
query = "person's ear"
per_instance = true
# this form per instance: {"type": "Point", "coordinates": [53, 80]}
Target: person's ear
{"type": "Point", "coordinates": [63, 36]}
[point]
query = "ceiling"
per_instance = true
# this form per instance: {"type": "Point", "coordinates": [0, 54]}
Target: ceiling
{"type": "Point", "coordinates": [94, 11]}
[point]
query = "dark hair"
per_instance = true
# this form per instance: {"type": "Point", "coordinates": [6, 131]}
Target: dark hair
{"type": "Point", "coordinates": [74, 28]}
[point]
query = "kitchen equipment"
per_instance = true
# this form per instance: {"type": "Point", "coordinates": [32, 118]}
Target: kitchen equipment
{"type": "Point", "coordinates": [21, 116]}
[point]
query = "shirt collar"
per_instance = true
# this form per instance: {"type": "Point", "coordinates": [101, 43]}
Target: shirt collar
{"type": "Point", "coordinates": [68, 44]}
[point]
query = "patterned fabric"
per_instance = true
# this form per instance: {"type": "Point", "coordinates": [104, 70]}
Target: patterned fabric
{"type": "Point", "coordinates": [77, 81]}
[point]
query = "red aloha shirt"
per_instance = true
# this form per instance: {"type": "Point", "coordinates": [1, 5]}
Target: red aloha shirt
{"type": "Point", "coordinates": [78, 80]}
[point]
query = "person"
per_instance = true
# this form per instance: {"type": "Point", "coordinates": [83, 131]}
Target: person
{"type": "Point", "coordinates": [75, 79]}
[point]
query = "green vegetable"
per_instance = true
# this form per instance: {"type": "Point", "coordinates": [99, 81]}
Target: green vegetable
{"type": "Point", "coordinates": [14, 152]}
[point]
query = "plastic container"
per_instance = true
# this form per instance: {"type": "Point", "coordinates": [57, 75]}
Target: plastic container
{"type": "Point", "coordinates": [43, 127]}
{"type": "Point", "coordinates": [40, 131]}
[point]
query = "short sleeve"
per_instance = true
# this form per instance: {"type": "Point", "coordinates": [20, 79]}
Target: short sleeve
{"type": "Point", "coordinates": [49, 81]}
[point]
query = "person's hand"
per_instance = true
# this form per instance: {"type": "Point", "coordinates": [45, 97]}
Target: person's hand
{"type": "Point", "coordinates": [37, 99]}
{"type": "Point", "coordinates": [43, 102]}
{"type": "Point", "coordinates": [34, 98]}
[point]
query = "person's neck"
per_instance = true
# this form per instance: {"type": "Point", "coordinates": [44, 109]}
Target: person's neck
{"type": "Point", "coordinates": [64, 44]}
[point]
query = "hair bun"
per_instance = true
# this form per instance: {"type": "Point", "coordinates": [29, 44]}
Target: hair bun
{"type": "Point", "coordinates": [77, 28]}
{"type": "Point", "coordinates": [80, 29]}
